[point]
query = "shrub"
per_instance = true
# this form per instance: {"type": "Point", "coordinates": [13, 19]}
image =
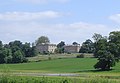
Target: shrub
{"type": "Point", "coordinates": [80, 56]}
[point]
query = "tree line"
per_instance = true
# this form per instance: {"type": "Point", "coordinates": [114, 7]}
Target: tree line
{"type": "Point", "coordinates": [16, 52]}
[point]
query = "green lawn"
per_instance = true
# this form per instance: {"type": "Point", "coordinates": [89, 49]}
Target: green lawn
{"type": "Point", "coordinates": [58, 65]}
{"type": "Point", "coordinates": [81, 66]}
{"type": "Point", "coordinates": [71, 65]}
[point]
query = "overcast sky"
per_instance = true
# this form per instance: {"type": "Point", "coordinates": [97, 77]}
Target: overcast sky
{"type": "Point", "coordinates": [60, 20]}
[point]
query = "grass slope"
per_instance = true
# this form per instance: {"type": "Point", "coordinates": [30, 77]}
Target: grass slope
{"type": "Point", "coordinates": [71, 65]}
{"type": "Point", "coordinates": [58, 65]}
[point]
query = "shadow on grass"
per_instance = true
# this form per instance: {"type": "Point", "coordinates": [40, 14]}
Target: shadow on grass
{"type": "Point", "coordinates": [94, 70]}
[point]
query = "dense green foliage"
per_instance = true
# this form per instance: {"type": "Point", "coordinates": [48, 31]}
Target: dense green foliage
{"type": "Point", "coordinates": [15, 52]}
{"type": "Point", "coordinates": [87, 47]}
{"type": "Point", "coordinates": [107, 50]}
{"type": "Point", "coordinates": [60, 47]}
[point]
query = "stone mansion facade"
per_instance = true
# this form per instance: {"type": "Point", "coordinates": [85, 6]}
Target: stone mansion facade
{"type": "Point", "coordinates": [46, 48]}
{"type": "Point", "coordinates": [51, 48]}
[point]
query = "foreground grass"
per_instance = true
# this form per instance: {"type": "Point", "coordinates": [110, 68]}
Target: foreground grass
{"type": "Point", "coordinates": [23, 79]}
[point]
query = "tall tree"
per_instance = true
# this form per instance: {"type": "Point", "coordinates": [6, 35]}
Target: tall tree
{"type": "Point", "coordinates": [96, 38]}
{"type": "Point", "coordinates": [61, 44]}
{"type": "Point", "coordinates": [108, 51]}
{"type": "Point", "coordinates": [114, 44]}
{"type": "Point", "coordinates": [105, 57]}
{"type": "Point", "coordinates": [60, 47]}
{"type": "Point", "coordinates": [42, 39]}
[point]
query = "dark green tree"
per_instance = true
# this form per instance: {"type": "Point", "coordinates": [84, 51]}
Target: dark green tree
{"type": "Point", "coordinates": [2, 56]}
{"type": "Point", "coordinates": [87, 47]}
{"type": "Point", "coordinates": [16, 43]}
{"type": "Point", "coordinates": [108, 51]}
{"type": "Point", "coordinates": [96, 38]}
{"type": "Point", "coordinates": [114, 44]}
{"type": "Point", "coordinates": [8, 53]}
{"type": "Point", "coordinates": [34, 51]}
{"type": "Point", "coordinates": [19, 51]}
{"type": "Point", "coordinates": [17, 57]}
{"type": "Point", "coordinates": [60, 47]}
{"type": "Point", "coordinates": [27, 49]}
{"type": "Point", "coordinates": [61, 44]}
{"type": "Point", "coordinates": [105, 57]}
{"type": "Point", "coordinates": [2, 53]}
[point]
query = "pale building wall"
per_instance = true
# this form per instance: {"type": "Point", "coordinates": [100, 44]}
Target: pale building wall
{"type": "Point", "coordinates": [72, 48]}
{"type": "Point", "coordinates": [46, 47]}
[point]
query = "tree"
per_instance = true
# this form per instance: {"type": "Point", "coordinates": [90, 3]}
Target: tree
{"type": "Point", "coordinates": [114, 44]}
{"type": "Point", "coordinates": [2, 56]}
{"type": "Point", "coordinates": [27, 49]}
{"type": "Point", "coordinates": [96, 38]}
{"type": "Point", "coordinates": [108, 51]}
{"type": "Point", "coordinates": [42, 39]}
{"type": "Point", "coordinates": [105, 57]}
{"type": "Point", "coordinates": [8, 53]}
{"type": "Point", "coordinates": [19, 51]}
{"type": "Point", "coordinates": [16, 43]}
{"type": "Point", "coordinates": [60, 47]}
{"type": "Point", "coordinates": [2, 53]}
{"type": "Point", "coordinates": [17, 57]}
{"type": "Point", "coordinates": [61, 44]}
{"type": "Point", "coordinates": [75, 43]}
{"type": "Point", "coordinates": [87, 47]}
{"type": "Point", "coordinates": [16, 52]}
{"type": "Point", "coordinates": [1, 45]}
{"type": "Point", "coordinates": [34, 51]}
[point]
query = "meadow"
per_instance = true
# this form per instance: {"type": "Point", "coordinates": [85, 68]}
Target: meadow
{"type": "Point", "coordinates": [83, 67]}
{"type": "Point", "coordinates": [70, 65]}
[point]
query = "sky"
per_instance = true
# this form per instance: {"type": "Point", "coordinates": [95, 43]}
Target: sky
{"type": "Point", "coordinates": [60, 20]}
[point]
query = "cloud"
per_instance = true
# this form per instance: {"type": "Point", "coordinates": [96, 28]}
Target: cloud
{"type": "Point", "coordinates": [41, 1]}
{"type": "Point", "coordinates": [115, 17]}
{"type": "Point", "coordinates": [79, 31]}
{"type": "Point", "coordinates": [22, 16]}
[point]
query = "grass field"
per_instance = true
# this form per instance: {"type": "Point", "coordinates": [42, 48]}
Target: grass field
{"type": "Point", "coordinates": [58, 65]}
{"type": "Point", "coordinates": [81, 66]}
{"type": "Point", "coordinates": [70, 65]}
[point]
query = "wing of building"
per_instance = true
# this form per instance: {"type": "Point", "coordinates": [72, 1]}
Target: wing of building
{"type": "Point", "coordinates": [72, 48]}
{"type": "Point", "coordinates": [46, 48]}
